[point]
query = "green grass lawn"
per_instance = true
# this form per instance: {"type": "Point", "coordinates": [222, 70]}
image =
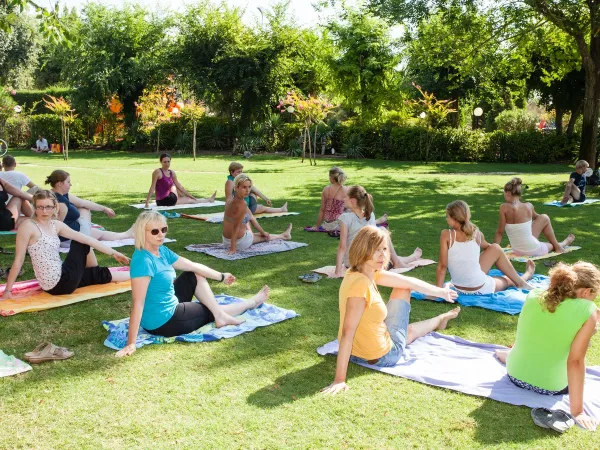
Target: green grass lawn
{"type": "Point", "coordinates": [261, 389]}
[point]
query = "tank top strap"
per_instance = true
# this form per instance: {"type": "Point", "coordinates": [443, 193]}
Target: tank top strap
{"type": "Point", "coordinates": [38, 226]}
{"type": "Point", "coordinates": [452, 238]}
{"type": "Point", "coordinates": [478, 237]}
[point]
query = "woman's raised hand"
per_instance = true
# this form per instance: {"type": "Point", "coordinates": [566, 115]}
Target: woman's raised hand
{"type": "Point", "coordinates": [126, 351]}
{"type": "Point", "coordinates": [229, 279]}
{"type": "Point", "coordinates": [120, 257]}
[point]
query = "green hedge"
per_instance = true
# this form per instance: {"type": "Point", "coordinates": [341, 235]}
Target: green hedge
{"type": "Point", "coordinates": [27, 98]}
{"type": "Point", "coordinates": [212, 133]}
{"type": "Point", "coordinates": [449, 144]}
{"type": "Point", "coordinates": [48, 125]}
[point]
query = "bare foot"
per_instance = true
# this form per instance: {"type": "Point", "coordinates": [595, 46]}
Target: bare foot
{"type": "Point", "coordinates": [287, 234]}
{"type": "Point", "coordinates": [452, 314]}
{"type": "Point", "coordinates": [130, 233]}
{"type": "Point", "coordinates": [284, 207]}
{"type": "Point", "coordinates": [529, 271]}
{"type": "Point", "coordinates": [415, 255]}
{"type": "Point", "coordinates": [211, 199]}
{"type": "Point", "coordinates": [568, 241]}
{"type": "Point", "coordinates": [565, 199]}
{"type": "Point", "coordinates": [502, 355]}
{"type": "Point", "coordinates": [383, 219]}
{"type": "Point", "coordinates": [406, 261]}
{"type": "Point", "coordinates": [226, 319]}
{"type": "Point", "coordinates": [260, 297]}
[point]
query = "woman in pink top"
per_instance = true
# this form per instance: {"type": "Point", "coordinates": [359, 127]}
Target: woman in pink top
{"type": "Point", "coordinates": [168, 189]}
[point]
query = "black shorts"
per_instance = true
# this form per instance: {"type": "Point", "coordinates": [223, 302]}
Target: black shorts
{"type": "Point", "coordinates": [74, 273]}
{"type": "Point", "coordinates": [7, 222]}
{"type": "Point", "coordinates": [169, 200]}
{"type": "Point", "coordinates": [188, 315]}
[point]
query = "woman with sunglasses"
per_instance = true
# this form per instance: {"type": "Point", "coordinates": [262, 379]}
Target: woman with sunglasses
{"type": "Point", "coordinates": [39, 236]}
{"type": "Point", "coordinates": [162, 304]}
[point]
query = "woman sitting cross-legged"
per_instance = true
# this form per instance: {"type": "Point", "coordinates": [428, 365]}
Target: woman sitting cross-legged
{"type": "Point", "coordinates": [360, 204]}
{"type": "Point", "coordinates": [460, 253]}
{"type": "Point", "coordinates": [236, 234]}
{"type": "Point", "coordinates": [523, 225]}
{"type": "Point", "coordinates": [76, 213]}
{"type": "Point", "coordinates": [371, 331]}
{"type": "Point", "coordinates": [553, 334]}
{"type": "Point", "coordinates": [39, 237]}
{"type": "Point", "coordinates": [162, 304]}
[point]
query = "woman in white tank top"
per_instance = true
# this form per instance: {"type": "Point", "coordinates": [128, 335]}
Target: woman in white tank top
{"type": "Point", "coordinates": [460, 253]}
{"type": "Point", "coordinates": [523, 225]}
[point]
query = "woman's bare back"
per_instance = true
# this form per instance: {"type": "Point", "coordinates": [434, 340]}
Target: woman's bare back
{"type": "Point", "coordinates": [515, 213]}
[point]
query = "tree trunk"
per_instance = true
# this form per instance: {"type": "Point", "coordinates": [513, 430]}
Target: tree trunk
{"type": "Point", "coordinates": [194, 141]}
{"type": "Point", "coordinates": [303, 143]}
{"type": "Point", "coordinates": [309, 145]}
{"type": "Point", "coordinates": [559, 120]}
{"type": "Point", "coordinates": [157, 139]}
{"type": "Point", "coordinates": [315, 146]}
{"type": "Point", "coordinates": [589, 132]}
{"type": "Point", "coordinates": [573, 120]}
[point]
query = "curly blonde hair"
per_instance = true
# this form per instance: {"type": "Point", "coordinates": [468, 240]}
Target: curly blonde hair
{"type": "Point", "coordinates": [565, 280]}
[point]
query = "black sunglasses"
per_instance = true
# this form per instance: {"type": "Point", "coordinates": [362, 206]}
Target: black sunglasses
{"type": "Point", "coordinates": [162, 230]}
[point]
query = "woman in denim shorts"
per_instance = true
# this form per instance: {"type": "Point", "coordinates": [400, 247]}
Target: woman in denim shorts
{"type": "Point", "coordinates": [371, 331]}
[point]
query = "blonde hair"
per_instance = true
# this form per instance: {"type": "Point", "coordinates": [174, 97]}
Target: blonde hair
{"type": "Point", "coordinates": [364, 246]}
{"type": "Point", "coordinates": [363, 199]}
{"type": "Point", "coordinates": [514, 186]}
{"type": "Point", "coordinates": [565, 280]}
{"type": "Point", "coordinates": [242, 177]}
{"type": "Point", "coordinates": [234, 166]}
{"type": "Point", "coordinates": [582, 163]}
{"type": "Point", "coordinates": [139, 227]}
{"type": "Point", "coordinates": [56, 177]}
{"type": "Point", "coordinates": [45, 194]}
{"type": "Point", "coordinates": [460, 211]}
{"type": "Point", "coordinates": [338, 175]}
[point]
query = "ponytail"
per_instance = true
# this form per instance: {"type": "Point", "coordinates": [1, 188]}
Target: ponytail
{"type": "Point", "coordinates": [56, 177]}
{"type": "Point", "coordinates": [364, 200]}
{"type": "Point", "coordinates": [460, 211]}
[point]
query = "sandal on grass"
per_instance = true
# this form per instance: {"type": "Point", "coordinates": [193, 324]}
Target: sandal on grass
{"type": "Point", "coordinates": [310, 277]}
{"type": "Point", "coordinates": [47, 352]}
{"type": "Point", "coordinates": [334, 234]}
{"type": "Point", "coordinates": [557, 420]}
{"type": "Point", "coordinates": [550, 263]}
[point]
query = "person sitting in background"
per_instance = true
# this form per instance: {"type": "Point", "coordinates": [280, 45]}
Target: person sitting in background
{"type": "Point", "coordinates": [18, 180]}
{"type": "Point", "coordinates": [235, 169]}
{"type": "Point", "coordinates": [41, 145]}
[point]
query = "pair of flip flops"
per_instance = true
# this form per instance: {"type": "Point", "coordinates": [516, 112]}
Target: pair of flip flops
{"type": "Point", "coordinates": [168, 215]}
{"type": "Point", "coordinates": [557, 420]}
{"type": "Point", "coordinates": [4, 273]}
{"type": "Point", "coordinates": [310, 277]}
{"type": "Point", "coordinates": [47, 351]}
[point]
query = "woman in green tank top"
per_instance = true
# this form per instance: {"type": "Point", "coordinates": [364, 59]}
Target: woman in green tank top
{"type": "Point", "coordinates": [553, 335]}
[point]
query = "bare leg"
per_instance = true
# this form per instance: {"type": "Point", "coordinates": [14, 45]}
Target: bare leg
{"type": "Point", "coordinates": [239, 308]}
{"type": "Point", "coordinates": [542, 224]}
{"type": "Point", "coordinates": [266, 209]}
{"type": "Point", "coordinates": [403, 261]}
{"type": "Point", "coordinates": [26, 208]}
{"type": "Point", "coordinates": [286, 236]}
{"type": "Point", "coordinates": [103, 235]}
{"type": "Point", "coordinates": [183, 200]}
{"type": "Point", "coordinates": [382, 219]}
{"type": "Point", "coordinates": [120, 275]}
{"type": "Point", "coordinates": [502, 355]}
{"type": "Point", "coordinates": [572, 193]}
{"type": "Point", "coordinates": [204, 294]}
{"type": "Point", "coordinates": [495, 255]}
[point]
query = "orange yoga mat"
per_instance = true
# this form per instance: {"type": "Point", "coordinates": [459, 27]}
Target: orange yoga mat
{"type": "Point", "coordinates": [40, 300]}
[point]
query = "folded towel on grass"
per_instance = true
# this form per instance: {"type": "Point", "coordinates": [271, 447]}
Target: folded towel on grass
{"type": "Point", "coordinates": [589, 201]}
{"type": "Point", "coordinates": [511, 255]}
{"type": "Point", "coordinates": [264, 315]}
{"type": "Point", "coordinates": [116, 244]}
{"type": "Point", "coordinates": [9, 365]}
{"type": "Point", "coordinates": [28, 296]}
{"type": "Point", "coordinates": [218, 217]}
{"type": "Point", "coordinates": [185, 206]}
{"type": "Point", "coordinates": [330, 270]}
{"type": "Point", "coordinates": [454, 363]}
{"type": "Point", "coordinates": [260, 249]}
{"type": "Point", "coordinates": [509, 301]}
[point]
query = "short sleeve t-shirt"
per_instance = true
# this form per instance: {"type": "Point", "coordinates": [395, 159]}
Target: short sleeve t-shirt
{"type": "Point", "coordinates": [580, 181]}
{"type": "Point", "coordinates": [539, 356]}
{"type": "Point", "coordinates": [372, 339]}
{"type": "Point", "coordinates": [354, 224]}
{"type": "Point", "coordinates": [42, 144]}
{"type": "Point", "coordinates": [161, 301]}
{"type": "Point", "coordinates": [17, 179]}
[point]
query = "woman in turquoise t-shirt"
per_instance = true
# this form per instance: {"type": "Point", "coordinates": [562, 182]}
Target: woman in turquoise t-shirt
{"type": "Point", "coordinates": [553, 335]}
{"type": "Point", "coordinates": [162, 303]}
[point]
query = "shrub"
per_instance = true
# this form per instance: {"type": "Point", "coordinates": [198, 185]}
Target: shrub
{"type": "Point", "coordinates": [516, 120]}
{"type": "Point", "coordinates": [28, 98]}
{"type": "Point", "coordinates": [48, 125]}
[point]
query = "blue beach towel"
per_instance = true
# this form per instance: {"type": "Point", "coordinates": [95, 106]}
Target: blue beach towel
{"type": "Point", "coordinates": [454, 363]}
{"type": "Point", "coordinates": [557, 203]}
{"type": "Point", "coordinates": [509, 301]}
{"type": "Point", "coordinates": [264, 315]}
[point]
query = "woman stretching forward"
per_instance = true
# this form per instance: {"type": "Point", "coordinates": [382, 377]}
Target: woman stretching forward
{"type": "Point", "coordinates": [460, 253]}
{"type": "Point", "coordinates": [360, 215]}
{"type": "Point", "coordinates": [168, 189]}
{"type": "Point", "coordinates": [236, 234]}
{"type": "Point", "coordinates": [39, 237]}
{"type": "Point", "coordinates": [553, 334]}
{"type": "Point", "coordinates": [523, 225]}
{"type": "Point", "coordinates": [371, 331]}
{"type": "Point", "coordinates": [162, 304]}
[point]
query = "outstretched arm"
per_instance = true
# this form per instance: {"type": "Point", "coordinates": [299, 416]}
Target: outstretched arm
{"type": "Point", "coordinates": [321, 210]}
{"type": "Point", "coordinates": [139, 289]}
{"type": "Point", "coordinates": [202, 270]}
{"type": "Point", "coordinates": [266, 199]}
{"type": "Point", "coordinates": [92, 206]}
{"type": "Point", "coordinates": [443, 259]}
{"type": "Point", "coordinates": [152, 187]}
{"type": "Point", "coordinates": [12, 190]}
{"type": "Point", "coordinates": [67, 232]}
{"type": "Point", "coordinates": [228, 189]}
{"type": "Point", "coordinates": [341, 251]}
{"type": "Point", "coordinates": [355, 307]}
{"type": "Point", "coordinates": [23, 236]}
{"type": "Point", "coordinates": [395, 280]}
{"type": "Point", "coordinates": [500, 230]}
